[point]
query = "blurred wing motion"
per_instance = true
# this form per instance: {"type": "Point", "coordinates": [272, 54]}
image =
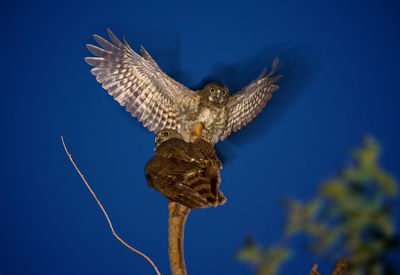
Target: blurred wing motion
{"type": "Point", "coordinates": [244, 105]}
{"type": "Point", "coordinates": [187, 173]}
{"type": "Point", "coordinates": [137, 82]}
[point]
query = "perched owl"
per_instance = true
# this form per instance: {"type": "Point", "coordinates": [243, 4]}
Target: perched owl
{"type": "Point", "coordinates": [158, 101]}
{"type": "Point", "coordinates": [185, 172]}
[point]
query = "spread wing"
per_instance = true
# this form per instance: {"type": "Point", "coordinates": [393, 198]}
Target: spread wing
{"type": "Point", "coordinates": [244, 105]}
{"type": "Point", "coordinates": [137, 83]}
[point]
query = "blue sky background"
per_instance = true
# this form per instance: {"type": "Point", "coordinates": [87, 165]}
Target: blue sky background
{"type": "Point", "coordinates": [340, 64]}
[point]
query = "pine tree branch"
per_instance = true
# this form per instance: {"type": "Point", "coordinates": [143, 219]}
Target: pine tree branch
{"type": "Point", "coordinates": [177, 215]}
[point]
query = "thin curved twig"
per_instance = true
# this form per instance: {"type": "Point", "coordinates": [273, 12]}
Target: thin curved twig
{"type": "Point", "coordinates": [177, 215]}
{"type": "Point", "coordinates": [105, 213]}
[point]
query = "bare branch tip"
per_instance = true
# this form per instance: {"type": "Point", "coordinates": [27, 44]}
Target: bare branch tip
{"type": "Point", "coordinates": [314, 270]}
{"type": "Point", "coordinates": [105, 213]}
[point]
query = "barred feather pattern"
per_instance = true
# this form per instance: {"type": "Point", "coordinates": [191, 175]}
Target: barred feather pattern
{"type": "Point", "coordinates": [137, 83]}
{"type": "Point", "coordinates": [246, 104]}
{"type": "Point", "coordinates": [158, 101]}
{"type": "Point", "coordinates": [186, 172]}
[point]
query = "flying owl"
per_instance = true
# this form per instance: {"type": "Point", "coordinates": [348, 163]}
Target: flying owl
{"type": "Point", "coordinates": [185, 172]}
{"type": "Point", "coordinates": [159, 102]}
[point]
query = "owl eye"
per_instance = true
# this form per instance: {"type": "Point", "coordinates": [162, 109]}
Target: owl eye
{"type": "Point", "coordinates": [212, 90]}
{"type": "Point", "coordinates": [166, 133]}
{"type": "Point", "coordinates": [157, 139]}
{"type": "Point", "coordinates": [223, 93]}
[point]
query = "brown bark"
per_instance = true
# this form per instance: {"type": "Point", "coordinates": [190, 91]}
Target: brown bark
{"type": "Point", "coordinates": [314, 270]}
{"type": "Point", "coordinates": [340, 266]}
{"type": "Point", "coordinates": [177, 214]}
{"type": "Point", "coordinates": [338, 269]}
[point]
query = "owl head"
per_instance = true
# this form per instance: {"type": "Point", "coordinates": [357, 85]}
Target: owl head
{"type": "Point", "coordinates": [215, 92]}
{"type": "Point", "coordinates": [166, 134]}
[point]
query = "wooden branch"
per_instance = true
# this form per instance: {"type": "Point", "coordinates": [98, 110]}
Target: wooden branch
{"type": "Point", "coordinates": [339, 268]}
{"type": "Point", "coordinates": [105, 213]}
{"type": "Point", "coordinates": [314, 270]}
{"type": "Point", "coordinates": [177, 214]}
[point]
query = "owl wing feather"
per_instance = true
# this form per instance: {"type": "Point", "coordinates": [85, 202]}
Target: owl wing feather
{"type": "Point", "coordinates": [204, 148]}
{"type": "Point", "coordinates": [168, 182]}
{"type": "Point", "coordinates": [244, 105]}
{"type": "Point", "coordinates": [184, 175]}
{"type": "Point", "coordinates": [137, 82]}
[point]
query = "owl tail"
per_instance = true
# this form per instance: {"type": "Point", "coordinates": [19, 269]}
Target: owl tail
{"type": "Point", "coordinates": [199, 192]}
{"type": "Point", "coordinates": [221, 198]}
{"type": "Point", "coordinates": [186, 196]}
{"type": "Point", "coordinates": [209, 189]}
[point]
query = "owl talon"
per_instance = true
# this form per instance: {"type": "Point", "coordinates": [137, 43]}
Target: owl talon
{"type": "Point", "coordinates": [197, 131]}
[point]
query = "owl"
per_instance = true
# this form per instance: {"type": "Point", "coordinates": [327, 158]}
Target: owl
{"type": "Point", "coordinates": [158, 101]}
{"type": "Point", "coordinates": [185, 172]}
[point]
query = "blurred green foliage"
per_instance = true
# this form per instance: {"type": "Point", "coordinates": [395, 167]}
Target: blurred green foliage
{"type": "Point", "coordinates": [266, 260]}
{"type": "Point", "coordinates": [351, 216]}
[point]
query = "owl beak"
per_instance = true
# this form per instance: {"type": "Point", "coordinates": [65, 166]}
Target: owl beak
{"type": "Point", "coordinates": [217, 95]}
{"type": "Point", "coordinates": [155, 147]}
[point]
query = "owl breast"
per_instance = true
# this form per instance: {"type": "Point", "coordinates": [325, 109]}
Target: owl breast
{"type": "Point", "coordinates": [213, 117]}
